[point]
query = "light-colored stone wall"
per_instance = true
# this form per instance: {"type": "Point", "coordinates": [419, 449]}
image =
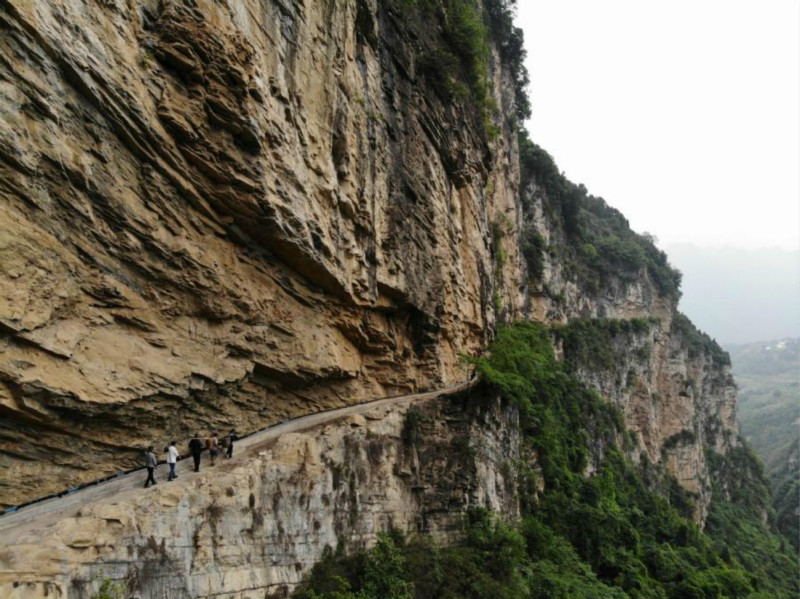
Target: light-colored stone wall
{"type": "Point", "coordinates": [254, 527]}
{"type": "Point", "coordinates": [227, 213]}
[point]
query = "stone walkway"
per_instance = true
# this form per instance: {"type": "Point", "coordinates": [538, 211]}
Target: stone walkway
{"type": "Point", "coordinates": [63, 507]}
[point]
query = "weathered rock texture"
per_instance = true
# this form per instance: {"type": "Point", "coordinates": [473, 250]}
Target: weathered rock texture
{"type": "Point", "coordinates": [254, 528]}
{"type": "Point", "coordinates": [677, 397]}
{"type": "Point", "coordinates": [226, 213]}
{"type": "Point", "coordinates": [677, 405]}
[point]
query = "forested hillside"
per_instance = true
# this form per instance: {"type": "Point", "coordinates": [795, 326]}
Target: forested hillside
{"type": "Point", "coordinates": [768, 375]}
{"type": "Point", "coordinates": [624, 532]}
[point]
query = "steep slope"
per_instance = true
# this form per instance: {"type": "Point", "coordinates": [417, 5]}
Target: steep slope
{"type": "Point", "coordinates": [623, 532]}
{"type": "Point", "coordinates": [223, 214]}
{"type": "Point", "coordinates": [768, 375]}
{"type": "Point", "coordinates": [614, 296]}
{"type": "Point", "coordinates": [416, 479]}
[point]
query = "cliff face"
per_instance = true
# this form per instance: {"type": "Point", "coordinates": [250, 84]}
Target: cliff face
{"type": "Point", "coordinates": [677, 405]}
{"type": "Point", "coordinates": [623, 336]}
{"type": "Point", "coordinates": [256, 526]}
{"type": "Point", "coordinates": [225, 214]}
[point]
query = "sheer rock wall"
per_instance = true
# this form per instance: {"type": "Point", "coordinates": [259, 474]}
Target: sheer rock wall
{"type": "Point", "coordinates": [227, 213]}
{"type": "Point", "coordinates": [676, 399]}
{"type": "Point", "coordinates": [222, 213]}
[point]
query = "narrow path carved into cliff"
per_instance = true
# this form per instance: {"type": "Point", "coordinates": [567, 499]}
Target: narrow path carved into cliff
{"type": "Point", "coordinates": [51, 510]}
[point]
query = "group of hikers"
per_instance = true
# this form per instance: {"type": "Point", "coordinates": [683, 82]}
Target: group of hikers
{"type": "Point", "coordinates": [196, 446]}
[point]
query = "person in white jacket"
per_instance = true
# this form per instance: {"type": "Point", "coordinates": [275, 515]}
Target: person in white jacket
{"type": "Point", "coordinates": [172, 460]}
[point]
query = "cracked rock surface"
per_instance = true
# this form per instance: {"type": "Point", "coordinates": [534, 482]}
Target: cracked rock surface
{"type": "Point", "coordinates": [222, 214]}
{"type": "Point", "coordinates": [254, 526]}
{"type": "Point", "coordinates": [226, 213]}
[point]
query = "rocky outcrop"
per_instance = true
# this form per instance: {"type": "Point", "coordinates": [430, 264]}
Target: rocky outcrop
{"type": "Point", "coordinates": [677, 405]}
{"type": "Point", "coordinates": [672, 383]}
{"type": "Point", "coordinates": [223, 214]}
{"type": "Point", "coordinates": [254, 527]}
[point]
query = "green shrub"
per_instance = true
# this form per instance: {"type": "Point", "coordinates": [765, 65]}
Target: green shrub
{"type": "Point", "coordinates": [490, 562]}
{"type": "Point", "coordinates": [110, 589]}
{"type": "Point", "coordinates": [384, 575]}
{"type": "Point", "coordinates": [533, 246]}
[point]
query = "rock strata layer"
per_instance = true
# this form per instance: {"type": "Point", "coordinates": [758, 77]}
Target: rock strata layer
{"type": "Point", "coordinates": [219, 214]}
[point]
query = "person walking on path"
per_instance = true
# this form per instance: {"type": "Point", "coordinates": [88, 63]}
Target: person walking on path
{"type": "Point", "coordinates": [213, 447]}
{"type": "Point", "coordinates": [150, 462]}
{"type": "Point", "coordinates": [196, 446]}
{"type": "Point", "coordinates": [232, 436]}
{"type": "Point", "coordinates": [172, 459]}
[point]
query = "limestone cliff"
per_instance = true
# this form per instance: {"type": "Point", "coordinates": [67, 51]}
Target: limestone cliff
{"type": "Point", "coordinates": [220, 213]}
{"type": "Point", "coordinates": [613, 299]}
{"type": "Point", "coordinates": [223, 214]}
{"type": "Point", "coordinates": [255, 526]}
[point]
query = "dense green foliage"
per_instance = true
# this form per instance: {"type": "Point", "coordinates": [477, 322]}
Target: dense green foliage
{"type": "Point", "coordinates": [593, 342]}
{"type": "Point", "coordinates": [533, 248]}
{"type": "Point", "coordinates": [736, 527]}
{"type": "Point", "coordinates": [786, 494]}
{"type": "Point", "coordinates": [109, 589]}
{"type": "Point", "coordinates": [600, 244]}
{"type": "Point", "coordinates": [697, 342]}
{"type": "Point", "coordinates": [493, 561]}
{"type": "Point", "coordinates": [609, 535]}
{"type": "Point", "coordinates": [631, 538]}
{"type": "Point", "coordinates": [457, 64]}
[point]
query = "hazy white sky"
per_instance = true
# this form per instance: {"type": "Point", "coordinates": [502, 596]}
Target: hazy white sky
{"type": "Point", "coordinates": [684, 115]}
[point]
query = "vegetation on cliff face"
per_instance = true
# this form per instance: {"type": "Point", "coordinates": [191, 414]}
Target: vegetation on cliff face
{"type": "Point", "coordinates": [457, 63]}
{"type": "Point", "coordinates": [599, 241]}
{"type": "Point", "coordinates": [699, 343]}
{"type": "Point", "coordinates": [736, 526]}
{"type": "Point", "coordinates": [786, 494]}
{"type": "Point", "coordinates": [608, 534]}
{"type": "Point", "coordinates": [591, 342]}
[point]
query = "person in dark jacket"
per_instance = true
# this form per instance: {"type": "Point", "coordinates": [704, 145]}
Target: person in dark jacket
{"type": "Point", "coordinates": [196, 446]}
{"type": "Point", "coordinates": [232, 436]}
{"type": "Point", "coordinates": [150, 462]}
